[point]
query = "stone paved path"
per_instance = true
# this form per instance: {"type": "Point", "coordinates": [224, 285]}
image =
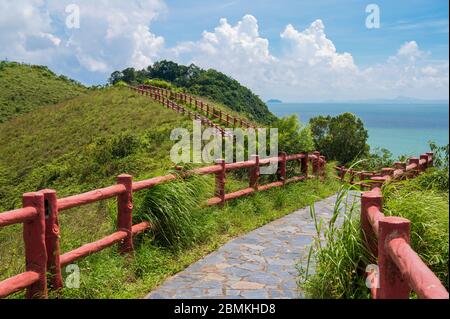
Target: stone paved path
{"type": "Point", "coordinates": [260, 264]}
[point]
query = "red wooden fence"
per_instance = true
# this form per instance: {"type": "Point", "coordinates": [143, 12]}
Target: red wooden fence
{"type": "Point", "coordinates": [400, 269]}
{"type": "Point", "coordinates": [208, 110]}
{"type": "Point", "coordinates": [41, 210]}
{"type": "Point", "coordinates": [181, 109]}
{"type": "Point", "coordinates": [376, 179]}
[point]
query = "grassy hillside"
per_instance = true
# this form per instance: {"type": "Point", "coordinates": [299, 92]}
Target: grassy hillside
{"type": "Point", "coordinates": [26, 87]}
{"type": "Point", "coordinates": [84, 143]}
{"type": "Point", "coordinates": [207, 83]}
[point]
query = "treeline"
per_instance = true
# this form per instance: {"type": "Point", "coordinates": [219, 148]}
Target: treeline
{"type": "Point", "coordinates": [208, 83]}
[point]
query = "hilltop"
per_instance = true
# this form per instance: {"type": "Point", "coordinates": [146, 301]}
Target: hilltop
{"type": "Point", "coordinates": [206, 83]}
{"type": "Point", "coordinates": [24, 88]}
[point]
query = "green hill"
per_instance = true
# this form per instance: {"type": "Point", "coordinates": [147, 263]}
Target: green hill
{"type": "Point", "coordinates": [84, 143]}
{"type": "Point", "coordinates": [25, 87]}
{"type": "Point", "coordinates": [207, 83]}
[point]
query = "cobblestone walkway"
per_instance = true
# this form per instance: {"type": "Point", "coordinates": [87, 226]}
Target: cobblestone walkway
{"type": "Point", "coordinates": [260, 264]}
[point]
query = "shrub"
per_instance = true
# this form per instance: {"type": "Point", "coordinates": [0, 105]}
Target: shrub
{"type": "Point", "coordinates": [341, 138]}
{"type": "Point", "coordinates": [120, 84]}
{"type": "Point", "coordinates": [159, 83]}
{"type": "Point", "coordinates": [293, 137]}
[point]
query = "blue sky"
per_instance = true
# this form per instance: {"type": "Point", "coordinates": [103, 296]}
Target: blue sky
{"type": "Point", "coordinates": [426, 22]}
{"type": "Point", "coordinates": [292, 50]}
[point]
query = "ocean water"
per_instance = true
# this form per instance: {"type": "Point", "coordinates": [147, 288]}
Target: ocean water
{"type": "Point", "coordinates": [400, 128]}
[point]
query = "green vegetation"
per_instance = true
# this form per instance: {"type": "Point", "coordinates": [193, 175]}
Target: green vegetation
{"type": "Point", "coordinates": [24, 88]}
{"type": "Point", "coordinates": [342, 138]}
{"type": "Point", "coordinates": [207, 83]}
{"type": "Point", "coordinates": [84, 143]}
{"type": "Point", "coordinates": [293, 137]}
{"type": "Point", "coordinates": [340, 264]}
{"type": "Point", "coordinates": [109, 275]}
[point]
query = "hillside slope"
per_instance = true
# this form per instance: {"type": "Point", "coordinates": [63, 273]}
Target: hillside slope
{"type": "Point", "coordinates": [84, 143]}
{"type": "Point", "coordinates": [25, 87]}
{"type": "Point", "coordinates": [207, 83]}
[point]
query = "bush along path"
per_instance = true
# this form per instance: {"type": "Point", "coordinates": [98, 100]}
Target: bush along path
{"type": "Point", "coordinates": [261, 264]}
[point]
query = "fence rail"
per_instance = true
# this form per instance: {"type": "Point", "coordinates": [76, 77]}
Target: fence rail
{"type": "Point", "coordinates": [209, 110]}
{"type": "Point", "coordinates": [167, 102]}
{"type": "Point", "coordinates": [400, 269]}
{"type": "Point", "coordinates": [377, 178]}
{"type": "Point", "coordinates": [41, 210]}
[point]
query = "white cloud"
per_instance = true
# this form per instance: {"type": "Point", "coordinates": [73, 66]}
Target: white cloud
{"type": "Point", "coordinates": [116, 34]}
{"type": "Point", "coordinates": [311, 68]}
{"type": "Point", "coordinates": [112, 35]}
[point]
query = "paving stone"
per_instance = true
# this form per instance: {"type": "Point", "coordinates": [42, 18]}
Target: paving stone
{"type": "Point", "coordinates": [247, 285]}
{"type": "Point", "coordinates": [260, 264]}
{"type": "Point", "coordinates": [255, 294]}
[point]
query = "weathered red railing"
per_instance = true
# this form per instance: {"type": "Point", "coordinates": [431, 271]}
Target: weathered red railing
{"type": "Point", "coordinates": [166, 101]}
{"type": "Point", "coordinates": [400, 269]}
{"type": "Point", "coordinates": [41, 210]}
{"type": "Point", "coordinates": [209, 110]}
{"type": "Point", "coordinates": [376, 179]}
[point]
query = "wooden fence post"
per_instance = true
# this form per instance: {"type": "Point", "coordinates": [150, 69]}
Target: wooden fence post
{"type": "Point", "coordinates": [52, 235]}
{"type": "Point", "coordinates": [35, 251]}
{"type": "Point", "coordinates": [387, 171]}
{"type": "Point", "coordinates": [368, 199]}
{"type": "Point", "coordinates": [415, 160]}
{"type": "Point", "coordinates": [254, 173]}
{"type": "Point", "coordinates": [430, 159]}
{"type": "Point", "coordinates": [392, 283]}
{"type": "Point", "coordinates": [282, 168]}
{"type": "Point", "coordinates": [125, 212]}
{"type": "Point", "coordinates": [220, 181]}
{"type": "Point", "coordinates": [315, 164]}
{"type": "Point", "coordinates": [322, 166]}
{"type": "Point", "coordinates": [424, 157]}
{"type": "Point", "coordinates": [304, 161]}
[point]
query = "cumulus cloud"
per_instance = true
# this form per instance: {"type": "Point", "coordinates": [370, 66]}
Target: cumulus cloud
{"type": "Point", "coordinates": [311, 67]}
{"type": "Point", "coordinates": [117, 34]}
{"type": "Point", "coordinates": [112, 34]}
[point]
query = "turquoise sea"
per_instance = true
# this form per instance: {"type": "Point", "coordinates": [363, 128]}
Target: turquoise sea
{"type": "Point", "coordinates": [401, 128]}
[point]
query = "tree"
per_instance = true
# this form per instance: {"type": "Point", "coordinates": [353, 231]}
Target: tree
{"type": "Point", "coordinates": [293, 137]}
{"type": "Point", "coordinates": [341, 138]}
{"type": "Point", "coordinates": [115, 77]}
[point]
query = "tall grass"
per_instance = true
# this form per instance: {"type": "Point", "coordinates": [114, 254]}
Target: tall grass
{"type": "Point", "coordinates": [338, 256]}
{"type": "Point", "coordinates": [428, 212]}
{"type": "Point", "coordinates": [169, 208]}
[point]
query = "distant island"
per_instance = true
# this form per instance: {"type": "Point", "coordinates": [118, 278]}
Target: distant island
{"type": "Point", "coordinates": [274, 101]}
